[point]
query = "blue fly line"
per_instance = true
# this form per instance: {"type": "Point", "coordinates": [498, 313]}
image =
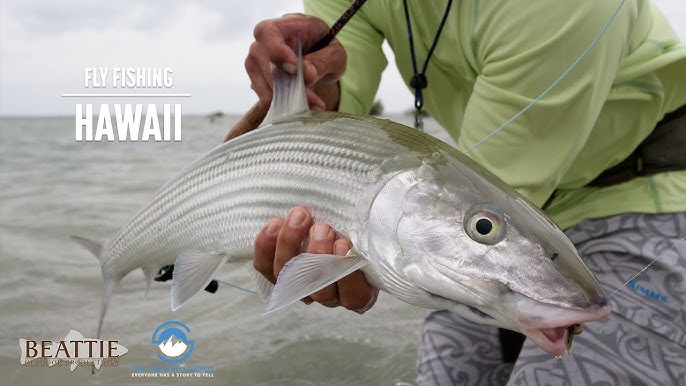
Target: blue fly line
{"type": "Point", "coordinates": [552, 85]}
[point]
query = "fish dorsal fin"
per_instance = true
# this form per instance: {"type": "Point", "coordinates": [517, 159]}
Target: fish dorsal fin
{"type": "Point", "coordinates": [193, 271]}
{"type": "Point", "coordinates": [308, 273]}
{"type": "Point", "coordinates": [289, 96]}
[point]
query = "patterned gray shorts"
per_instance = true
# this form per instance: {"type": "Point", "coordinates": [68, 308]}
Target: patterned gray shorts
{"type": "Point", "coordinates": [642, 343]}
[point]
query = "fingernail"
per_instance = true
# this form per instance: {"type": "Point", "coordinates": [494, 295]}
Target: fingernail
{"type": "Point", "coordinates": [320, 231]}
{"type": "Point", "coordinates": [341, 248]}
{"type": "Point", "coordinates": [317, 108]}
{"type": "Point", "coordinates": [331, 304]}
{"type": "Point", "coordinates": [296, 218]}
{"type": "Point", "coordinates": [273, 227]}
{"type": "Point", "coordinates": [289, 68]}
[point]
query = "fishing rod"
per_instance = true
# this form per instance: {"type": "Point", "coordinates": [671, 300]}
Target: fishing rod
{"type": "Point", "coordinates": [254, 117]}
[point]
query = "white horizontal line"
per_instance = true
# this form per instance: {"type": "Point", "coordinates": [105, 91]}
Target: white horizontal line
{"type": "Point", "coordinates": [129, 95]}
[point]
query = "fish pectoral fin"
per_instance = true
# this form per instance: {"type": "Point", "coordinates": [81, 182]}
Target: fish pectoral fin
{"type": "Point", "coordinates": [308, 273]}
{"type": "Point", "coordinates": [263, 287]}
{"type": "Point", "coordinates": [193, 271]}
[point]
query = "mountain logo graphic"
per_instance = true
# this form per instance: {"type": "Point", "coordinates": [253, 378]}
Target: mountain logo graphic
{"type": "Point", "coordinates": [172, 340]}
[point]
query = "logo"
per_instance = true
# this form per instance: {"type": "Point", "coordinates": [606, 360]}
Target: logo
{"type": "Point", "coordinates": [172, 341]}
{"type": "Point", "coordinates": [71, 351]}
{"type": "Point", "coordinates": [647, 292]}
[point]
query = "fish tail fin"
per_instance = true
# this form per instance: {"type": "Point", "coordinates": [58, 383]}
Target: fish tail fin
{"type": "Point", "coordinates": [290, 96]}
{"type": "Point", "coordinates": [110, 285]}
{"type": "Point", "coordinates": [95, 247]}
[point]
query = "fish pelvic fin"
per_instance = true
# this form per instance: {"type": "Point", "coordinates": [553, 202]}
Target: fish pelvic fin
{"type": "Point", "coordinates": [289, 95]}
{"type": "Point", "coordinates": [308, 273]}
{"type": "Point", "coordinates": [193, 271]}
{"type": "Point", "coordinates": [149, 273]}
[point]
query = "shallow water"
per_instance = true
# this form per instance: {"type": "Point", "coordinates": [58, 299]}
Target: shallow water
{"type": "Point", "coordinates": [53, 187]}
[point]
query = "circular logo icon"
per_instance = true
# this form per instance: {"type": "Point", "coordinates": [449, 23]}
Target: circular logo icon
{"type": "Point", "coordinates": [170, 337]}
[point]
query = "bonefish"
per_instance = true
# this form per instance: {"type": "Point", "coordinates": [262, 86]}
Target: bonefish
{"type": "Point", "coordinates": [428, 225]}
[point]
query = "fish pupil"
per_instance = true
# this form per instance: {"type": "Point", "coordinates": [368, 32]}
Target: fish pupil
{"type": "Point", "coordinates": [484, 226]}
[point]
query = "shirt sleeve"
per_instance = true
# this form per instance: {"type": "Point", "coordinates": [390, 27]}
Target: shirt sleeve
{"type": "Point", "coordinates": [366, 60]}
{"type": "Point", "coordinates": [522, 47]}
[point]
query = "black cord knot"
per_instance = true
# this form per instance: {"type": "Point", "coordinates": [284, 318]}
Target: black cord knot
{"type": "Point", "coordinates": [419, 81]}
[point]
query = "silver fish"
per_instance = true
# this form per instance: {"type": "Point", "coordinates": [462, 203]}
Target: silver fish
{"type": "Point", "coordinates": [427, 223]}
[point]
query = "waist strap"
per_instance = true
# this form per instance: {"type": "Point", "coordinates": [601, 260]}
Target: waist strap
{"type": "Point", "coordinates": [663, 150]}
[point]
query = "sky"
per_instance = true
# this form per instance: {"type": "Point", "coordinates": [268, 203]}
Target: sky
{"type": "Point", "coordinates": [45, 46]}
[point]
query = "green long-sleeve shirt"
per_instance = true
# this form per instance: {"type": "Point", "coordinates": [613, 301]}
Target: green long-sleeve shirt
{"type": "Point", "coordinates": [494, 57]}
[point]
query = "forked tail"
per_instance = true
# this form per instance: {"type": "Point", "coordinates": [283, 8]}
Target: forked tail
{"type": "Point", "coordinates": [95, 247]}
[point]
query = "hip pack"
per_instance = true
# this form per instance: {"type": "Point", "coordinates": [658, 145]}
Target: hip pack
{"type": "Point", "coordinates": [663, 150]}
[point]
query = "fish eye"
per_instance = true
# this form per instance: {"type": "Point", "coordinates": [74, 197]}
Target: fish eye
{"type": "Point", "coordinates": [484, 224]}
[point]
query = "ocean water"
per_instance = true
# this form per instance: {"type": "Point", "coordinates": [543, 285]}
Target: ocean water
{"type": "Point", "coordinates": [53, 187]}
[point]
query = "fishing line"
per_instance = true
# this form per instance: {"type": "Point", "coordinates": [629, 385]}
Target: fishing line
{"type": "Point", "coordinates": [646, 267]}
{"type": "Point", "coordinates": [555, 83]}
{"type": "Point", "coordinates": [166, 273]}
{"type": "Point", "coordinates": [236, 287]}
{"type": "Point", "coordinates": [575, 373]}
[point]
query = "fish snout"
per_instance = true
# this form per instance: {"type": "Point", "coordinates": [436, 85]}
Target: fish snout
{"type": "Point", "coordinates": [570, 265]}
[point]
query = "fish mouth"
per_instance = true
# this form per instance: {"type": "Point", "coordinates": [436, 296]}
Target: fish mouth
{"type": "Point", "coordinates": [555, 341]}
{"type": "Point", "coordinates": [555, 335]}
{"type": "Point", "coordinates": [551, 327]}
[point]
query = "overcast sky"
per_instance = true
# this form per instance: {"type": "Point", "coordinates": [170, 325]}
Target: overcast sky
{"type": "Point", "coordinates": [45, 46]}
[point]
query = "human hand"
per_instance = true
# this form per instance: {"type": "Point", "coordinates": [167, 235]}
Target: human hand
{"type": "Point", "coordinates": [282, 239]}
{"type": "Point", "coordinates": [275, 40]}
